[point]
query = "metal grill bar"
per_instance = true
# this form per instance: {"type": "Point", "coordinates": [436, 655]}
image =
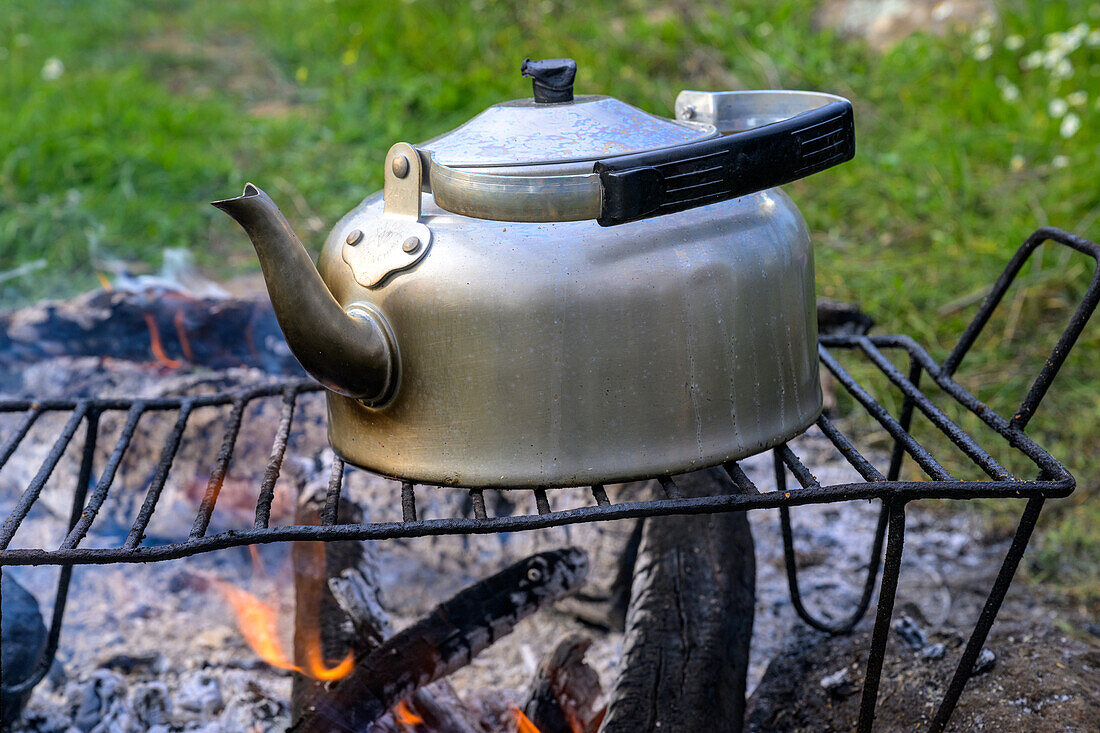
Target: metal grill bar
{"type": "Point", "coordinates": [275, 462]}
{"type": "Point", "coordinates": [100, 494]}
{"type": "Point", "coordinates": [164, 465]}
{"type": "Point", "coordinates": [805, 478]}
{"type": "Point", "coordinates": [408, 503]}
{"type": "Point", "coordinates": [672, 491]}
{"type": "Point", "coordinates": [600, 495]}
{"type": "Point", "coordinates": [21, 432]}
{"type": "Point", "coordinates": [744, 483]}
{"type": "Point", "coordinates": [965, 443]}
{"type": "Point", "coordinates": [217, 477]}
{"type": "Point", "coordinates": [923, 458]}
{"type": "Point", "coordinates": [477, 499]}
{"type": "Point", "coordinates": [891, 570]}
{"type": "Point", "coordinates": [331, 510]}
{"type": "Point", "coordinates": [30, 495]}
{"type": "Point", "coordinates": [1054, 480]}
{"type": "Point", "coordinates": [853, 456]}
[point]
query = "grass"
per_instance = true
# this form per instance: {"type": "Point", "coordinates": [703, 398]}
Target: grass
{"type": "Point", "coordinates": [963, 150]}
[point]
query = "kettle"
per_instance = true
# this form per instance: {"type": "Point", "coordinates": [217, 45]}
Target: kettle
{"type": "Point", "coordinates": [567, 290]}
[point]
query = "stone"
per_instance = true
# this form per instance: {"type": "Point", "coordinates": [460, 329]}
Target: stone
{"type": "Point", "coordinates": [985, 661]}
{"type": "Point", "coordinates": [839, 684]}
{"type": "Point", "coordinates": [934, 651]}
{"type": "Point", "coordinates": [910, 633]}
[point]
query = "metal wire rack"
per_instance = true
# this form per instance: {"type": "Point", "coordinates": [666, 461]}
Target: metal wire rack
{"type": "Point", "coordinates": [1052, 481]}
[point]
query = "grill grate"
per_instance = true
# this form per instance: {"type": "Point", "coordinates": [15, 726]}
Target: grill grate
{"type": "Point", "coordinates": [1053, 480]}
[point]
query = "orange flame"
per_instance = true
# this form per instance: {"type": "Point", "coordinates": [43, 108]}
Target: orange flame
{"type": "Point", "coordinates": [257, 621]}
{"type": "Point", "coordinates": [155, 344]}
{"type": "Point", "coordinates": [523, 723]}
{"type": "Point", "coordinates": [403, 715]}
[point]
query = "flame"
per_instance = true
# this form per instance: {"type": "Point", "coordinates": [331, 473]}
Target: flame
{"type": "Point", "coordinates": [258, 622]}
{"type": "Point", "coordinates": [523, 723]}
{"type": "Point", "coordinates": [154, 343]}
{"type": "Point", "coordinates": [181, 331]}
{"type": "Point", "coordinates": [403, 715]}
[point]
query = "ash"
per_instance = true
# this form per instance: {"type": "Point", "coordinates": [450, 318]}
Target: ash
{"type": "Point", "coordinates": [154, 647]}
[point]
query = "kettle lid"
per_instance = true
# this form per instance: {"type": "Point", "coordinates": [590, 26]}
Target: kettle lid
{"type": "Point", "coordinates": [554, 126]}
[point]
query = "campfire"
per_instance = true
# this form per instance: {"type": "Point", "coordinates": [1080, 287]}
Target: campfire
{"type": "Point", "coordinates": [156, 436]}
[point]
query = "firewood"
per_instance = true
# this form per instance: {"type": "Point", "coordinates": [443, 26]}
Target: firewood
{"type": "Point", "coordinates": [564, 690]}
{"type": "Point", "coordinates": [443, 641]}
{"type": "Point", "coordinates": [685, 655]}
{"type": "Point", "coordinates": [442, 710]}
{"type": "Point", "coordinates": [835, 318]}
{"type": "Point", "coordinates": [336, 592]}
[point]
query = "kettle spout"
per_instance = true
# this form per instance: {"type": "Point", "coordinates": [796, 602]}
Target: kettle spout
{"type": "Point", "coordinates": [348, 352]}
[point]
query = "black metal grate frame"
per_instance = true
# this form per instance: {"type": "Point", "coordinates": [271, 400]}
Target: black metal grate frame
{"type": "Point", "coordinates": [1053, 480]}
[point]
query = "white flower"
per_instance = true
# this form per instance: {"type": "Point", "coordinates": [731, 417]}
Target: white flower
{"type": "Point", "coordinates": [1010, 92]}
{"type": "Point", "coordinates": [1062, 70]}
{"type": "Point", "coordinates": [1017, 163]}
{"type": "Point", "coordinates": [1033, 60]}
{"type": "Point", "coordinates": [52, 69]}
{"type": "Point", "coordinates": [1077, 99]}
{"type": "Point", "coordinates": [1093, 38]}
{"type": "Point", "coordinates": [1057, 107]}
{"type": "Point", "coordinates": [983, 52]}
{"type": "Point", "coordinates": [1070, 125]}
{"type": "Point", "coordinates": [1014, 42]}
{"type": "Point", "coordinates": [979, 36]}
{"type": "Point", "coordinates": [1079, 31]}
{"type": "Point", "coordinates": [1059, 161]}
{"type": "Point", "coordinates": [764, 29]}
{"type": "Point", "coordinates": [942, 11]}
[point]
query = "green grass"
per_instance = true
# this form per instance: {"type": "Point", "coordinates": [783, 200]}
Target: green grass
{"type": "Point", "coordinates": [164, 106]}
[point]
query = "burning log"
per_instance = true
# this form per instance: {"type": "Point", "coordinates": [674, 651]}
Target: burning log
{"type": "Point", "coordinates": [564, 689]}
{"type": "Point", "coordinates": [686, 651]}
{"type": "Point", "coordinates": [336, 595]}
{"type": "Point", "coordinates": [171, 328]}
{"type": "Point", "coordinates": [445, 640]}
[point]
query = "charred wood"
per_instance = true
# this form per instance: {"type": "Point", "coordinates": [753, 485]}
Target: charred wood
{"type": "Point", "coordinates": [174, 328]}
{"type": "Point", "coordinates": [445, 640]}
{"type": "Point", "coordinates": [442, 710]}
{"type": "Point", "coordinates": [336, 594]}
{"type": "Point", "coordinates": [564, 690]}
{"type": "Point", "coordinates": [836, 318]}
{"type": "Point", "coordinates": [685, 655]}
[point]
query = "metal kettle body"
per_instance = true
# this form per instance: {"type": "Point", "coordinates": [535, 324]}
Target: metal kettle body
{"type": "Point", "coordinates": [567, 290]}
{"type": "Point", "coordinates": [566, 353]}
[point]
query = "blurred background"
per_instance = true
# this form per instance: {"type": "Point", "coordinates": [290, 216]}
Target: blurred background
{"type": "Point", "coordinates": [977, 123]}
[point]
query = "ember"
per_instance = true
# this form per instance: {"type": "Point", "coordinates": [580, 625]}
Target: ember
{"type": "Point", "coordinates": [523, 723]}
{"type": "Point", "coordinates": [403, 715]}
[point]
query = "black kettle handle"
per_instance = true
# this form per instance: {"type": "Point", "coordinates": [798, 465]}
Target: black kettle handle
{"type": "Point", "coordinates": [651, 184]}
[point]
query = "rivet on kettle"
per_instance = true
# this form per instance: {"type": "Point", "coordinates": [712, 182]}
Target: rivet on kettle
{"type": "Point", "coordinates": [400, 166]}
{"type": "Point", "coordinates": [411, 244]}
{"type": "Point", "coordinates": [688, 112]}
{"type": "Point", "coordinates": [354, 237]}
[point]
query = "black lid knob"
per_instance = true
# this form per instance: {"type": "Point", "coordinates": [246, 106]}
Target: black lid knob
{"type": "Point", "coordinates": [551, 78]}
